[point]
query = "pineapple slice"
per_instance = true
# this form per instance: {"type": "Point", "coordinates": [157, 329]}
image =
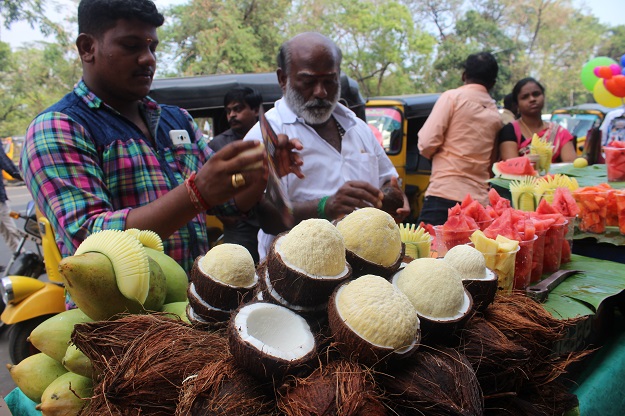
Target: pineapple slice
{"type": "Point", "coordinates": [524, 194]}
{"type": "Point", "coordinates": [506, 245]}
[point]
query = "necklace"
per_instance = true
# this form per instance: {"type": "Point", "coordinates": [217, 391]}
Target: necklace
{"type": "Point", "coordinates": [528, 130]}
{"type": "Point", "coordinates": [339, 127]}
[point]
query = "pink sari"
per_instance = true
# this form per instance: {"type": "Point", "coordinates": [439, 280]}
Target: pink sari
{"type": "Point", "coordinates": [555, 134]}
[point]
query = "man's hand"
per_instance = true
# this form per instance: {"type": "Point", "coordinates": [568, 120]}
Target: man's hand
{"type": "Point", "coordinates": [352, 195]}
{"type": "Point", "coordinates": [214, 179]}
{"type": "Point", "coordinates": [287, 158]}
{"type": "Point", "coordinates": [404, 211]}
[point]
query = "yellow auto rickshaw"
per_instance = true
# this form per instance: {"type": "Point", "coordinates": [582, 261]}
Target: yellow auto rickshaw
{"type": "Point", "coordinates": [579, 119]}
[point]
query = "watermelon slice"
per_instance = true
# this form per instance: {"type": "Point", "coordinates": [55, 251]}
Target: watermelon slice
{"type": "Point", "coordinates": [514, 168]}
{"type": "Point", "coordinates": [476, 211]}
{"type": "Point", "coordinates": [504, 226]}
{"type": "Point", "coordinates": [466, 201]}
{"type": "Point", "coordinates": [615, 161]}
{"type": "Point", "coordinates": [564, 203]}
{"type": "Point", "coordinates": [498, 203]}
{"type": "Point", "coordinates": [455, 231]}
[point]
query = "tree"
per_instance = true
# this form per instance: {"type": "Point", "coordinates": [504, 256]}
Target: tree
{"type": "Point", "coordinates": [31, 11]}
{"type": "Point", "coordinates": [614, 43]}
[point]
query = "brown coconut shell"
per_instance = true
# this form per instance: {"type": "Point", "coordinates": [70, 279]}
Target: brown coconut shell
{"type": "Point", "coordinates": [339, 388]}
{"type": "Point", "coordinates": [222, 388]}
{"type": "Point", "coordinates": [392, 200]}
{"type": "Point", "coordinates": [353, 347]}
{"type": "Point", "coordinates": [361, 266]}
{"type": "Point", "coordinates": [219, 294]}
{"type": "Point", "coordinates": [433, 382]}
{"type": "Point", "coordinates": [299, 288]}
{"type": "Point", "coordinates": [482, 291]}
{"type": "Point", "coordinates": [260, 364]}
{"type": "Point", "coordinates": [204, 310]}
{"type": "Point", "coordinates": [443, 330]}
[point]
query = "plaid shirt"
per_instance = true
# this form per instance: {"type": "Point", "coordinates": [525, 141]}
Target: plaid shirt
{"type": "Point", "coordinates": [87, 167]}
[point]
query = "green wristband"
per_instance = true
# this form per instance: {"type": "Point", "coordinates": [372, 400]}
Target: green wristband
{"type": "Point", "coordinates": [321, 208]}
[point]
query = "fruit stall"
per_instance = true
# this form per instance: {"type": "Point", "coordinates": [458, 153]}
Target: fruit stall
{"type": "Point", "coordinates": [490, 313]}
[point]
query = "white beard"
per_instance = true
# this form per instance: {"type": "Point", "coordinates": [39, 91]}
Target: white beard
{"type": "Point", "coordinates": [315, 111]}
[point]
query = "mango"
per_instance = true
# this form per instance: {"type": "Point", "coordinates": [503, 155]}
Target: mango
{"type": "Point", "coordinates": [52, 336]}
{"type": "Point", "coordinates": [33, 374]}
{"type": "Point", "coordinates": [59, 398]}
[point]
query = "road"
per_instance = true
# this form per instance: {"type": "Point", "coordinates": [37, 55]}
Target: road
{"type": "Point", "coordinates": [18, 198]}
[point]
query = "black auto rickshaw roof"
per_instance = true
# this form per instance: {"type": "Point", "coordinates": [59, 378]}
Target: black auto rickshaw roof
{"type": "Point", "coordinates": [415, 105]}
{"type": "Point", "coordinates": [201, 94]}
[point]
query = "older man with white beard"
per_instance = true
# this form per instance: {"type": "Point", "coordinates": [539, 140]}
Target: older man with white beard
{"type": "Point", "coordinates": [344, 165]}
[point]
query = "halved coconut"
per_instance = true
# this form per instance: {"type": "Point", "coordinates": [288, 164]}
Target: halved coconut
{"type": "Point", "coordinates": [197, 321]}
{"type": "Point", "coordinates": [372, 321]}
{"type": "Point", "coordinates": [436, 291]}
{"type": "Point", "coordinates": [480, 281]}
{"type": "Point", "coordinates": [205, 310]}
{"type": "Point", "coordinates": [307, 263]}
{"type": "Point", "coordinates": [372, 242]}
{"type": "Point", "coordinates": [225, 277]}
{"type": "Point", "coordinates": [269, 340]}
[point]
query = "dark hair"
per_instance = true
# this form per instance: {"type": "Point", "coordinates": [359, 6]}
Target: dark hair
{"type": "Point", "coordinates": [284, 53]}
{"type": "Point", "coordinates": [246, 95]}
{"type": "Point", "coordinates": [97, 16]}
{"type": "Point", "coordinates": [508, 102]}
{"type": "Point", "coordinates": [481, 68]}
{"type": "Point", "coordinates": [517, 87]}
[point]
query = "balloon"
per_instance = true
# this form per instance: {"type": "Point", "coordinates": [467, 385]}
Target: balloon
{"type": "Point", "coordinates": [623, 60]}
{"type": "Point", "coordinates": [604, 72]}
{"type": "Point", "coordinates": [587, 75]}
{"type": "Point", "coordinates": [604, 97]}
{"type": "Point", "coordinates": [616, 85]}
{"type": "Point", "coordinates": [616, 70]}
{"type": "Point", "coordinates": [623, 71]}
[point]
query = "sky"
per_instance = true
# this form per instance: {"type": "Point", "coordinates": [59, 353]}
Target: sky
{"type": "Point", "coordinates": [607, 11]}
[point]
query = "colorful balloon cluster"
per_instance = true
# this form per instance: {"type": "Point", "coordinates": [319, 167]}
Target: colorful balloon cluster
{"type": "Point", "coordinates": [605, 78]}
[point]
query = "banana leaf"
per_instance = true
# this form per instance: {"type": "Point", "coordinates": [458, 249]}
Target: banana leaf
{"type": "Point", "coordinates": [588, 176]}
{"type": "Point", "coordinates": [582, 293]}
{"type": "Point", "coordinates": [611, 236]}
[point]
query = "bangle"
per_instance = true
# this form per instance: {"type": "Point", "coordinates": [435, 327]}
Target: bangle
{"type": "Point", "coordinates": [321, 208]}
{"type": "Point", "coordinates": [194, 194]}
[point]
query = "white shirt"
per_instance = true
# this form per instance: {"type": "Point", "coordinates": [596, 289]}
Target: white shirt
{"type": "Point", "coordinates": [325, 169]}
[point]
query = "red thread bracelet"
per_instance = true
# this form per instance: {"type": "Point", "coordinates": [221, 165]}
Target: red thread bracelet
{"type": "Point", "coordinates": [194, 194]}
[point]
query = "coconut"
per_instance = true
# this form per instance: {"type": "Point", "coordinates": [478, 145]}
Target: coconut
{"type": "Point", "coordinates": [205, 311]}
{"type": "Point", "coordinates": [359, 315]}
{"type": "Point", "coordinates": [225, 277]}
{"type": "Point", "coordinates": [270, 341]}
{"type": "Point", "coordinates": [372, 242]}
{"type": "Point", "coordinates": [393, 199]}
{"type": "Point", "coordinates": [337, 388]}
{"type": "Point", "coordinates": [480, 281]}
{"type": "Point", "coordinates": [436, 291]}
{"type": "Point", "coordinates": [307, 263]}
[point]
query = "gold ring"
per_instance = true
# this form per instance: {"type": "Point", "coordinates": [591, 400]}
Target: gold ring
{"type": "Point", "coordinates": [237, 180]}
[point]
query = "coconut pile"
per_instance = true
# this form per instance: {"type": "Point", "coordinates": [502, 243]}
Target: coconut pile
{"type": "Point", "coordinates": [333, 323]}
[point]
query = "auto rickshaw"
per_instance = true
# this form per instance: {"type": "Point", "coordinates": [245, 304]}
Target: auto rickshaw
{"type": "Point", "coordinates": [396, 121]}
{"type": "Point", "coordinates": [203, 98]}
{"type": "Point", "coordinates": [579, 119]}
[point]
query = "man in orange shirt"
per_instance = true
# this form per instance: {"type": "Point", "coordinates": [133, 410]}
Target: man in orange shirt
{"type": "Point", "coordinates": [459, 137]}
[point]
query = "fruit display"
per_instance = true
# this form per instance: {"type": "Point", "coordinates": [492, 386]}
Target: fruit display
{"type": "Point", "coordinates": [514, 168]}
{"type": "Point", "coordinates": [593, 205]}
{"type": "Point", "coordinates": [416, 240]}
{"type": "Point", "coordinates": [615, 161]}
{"type": "Point", "coordinates": [456, 230]}
{"type": "Point", "coordinates": [300, 330]}
{"type": "Point", "coordinates": [541, 147]}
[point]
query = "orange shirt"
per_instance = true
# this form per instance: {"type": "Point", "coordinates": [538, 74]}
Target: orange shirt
{"type": "Point", "coordinates": [459, 137]}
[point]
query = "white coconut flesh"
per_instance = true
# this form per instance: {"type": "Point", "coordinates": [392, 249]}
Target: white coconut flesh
{"type": "Point", "coordinates": [230, 264]}
{"type": "Point", "coordinates": [202, 301]}
{"type": "Point", "coordinates": [314, 247]}
{"type": "Point", "coordinates": [293, 266]}
{"type": "Point", "coordinates": [373, 235]}
{"type": "Point", "coordinates": [275, 330]}
{"type": "Point", "coordinates": [298, 308]}
{"type": "Point", "coordinates": [379, 313]}
{"type": "Point", "coordinates": [434, 288]}
{"type": "Point", "coordinates": [468, 261]}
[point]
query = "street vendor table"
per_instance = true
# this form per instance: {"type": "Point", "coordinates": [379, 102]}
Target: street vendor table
{"type": "Point", "coordinates": [596, 293]}
{"type": "Point", "coordinates": [607, 246]}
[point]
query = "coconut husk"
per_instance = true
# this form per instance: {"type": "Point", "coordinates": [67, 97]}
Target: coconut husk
{"type": "Point", "coordinates": [221, 388]}
{"type": "Point", "coordinates": [498, 362]}
{"type": "Point", "coordinates": [433, 382]}
{"type": "Point", "coordinates": [552, 399]}
{"type": "Point", "coordinates": [340, 388]}
{"type": "Point", "coordinates": [143, 360]}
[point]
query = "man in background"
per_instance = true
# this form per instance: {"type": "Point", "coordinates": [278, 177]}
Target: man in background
{"type": "Point", "coordinates": [241, 105]}
{"type": "Point", "coordinates": [344, 166]}
{"type": "Point", "coordinates": [7, 226]}
{"type": "Point", "coordinates": [459, 137]}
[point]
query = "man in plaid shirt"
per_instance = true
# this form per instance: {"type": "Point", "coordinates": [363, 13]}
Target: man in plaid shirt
{"type": "Point", "coordinates": [106, 156]}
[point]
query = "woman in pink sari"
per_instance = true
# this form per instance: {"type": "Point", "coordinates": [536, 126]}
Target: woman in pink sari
{"type": "Point", "coordinates": [516, 137]}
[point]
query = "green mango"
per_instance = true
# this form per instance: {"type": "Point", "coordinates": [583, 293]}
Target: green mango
{"type": "Point", "coordinates": [176, 277]}
{"type": "Point", "coordinates": [52, 336]}
{"type": "Point", "coordinates": [33, 374]}
{"type": "Point", "coordinates": [59, 398]}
